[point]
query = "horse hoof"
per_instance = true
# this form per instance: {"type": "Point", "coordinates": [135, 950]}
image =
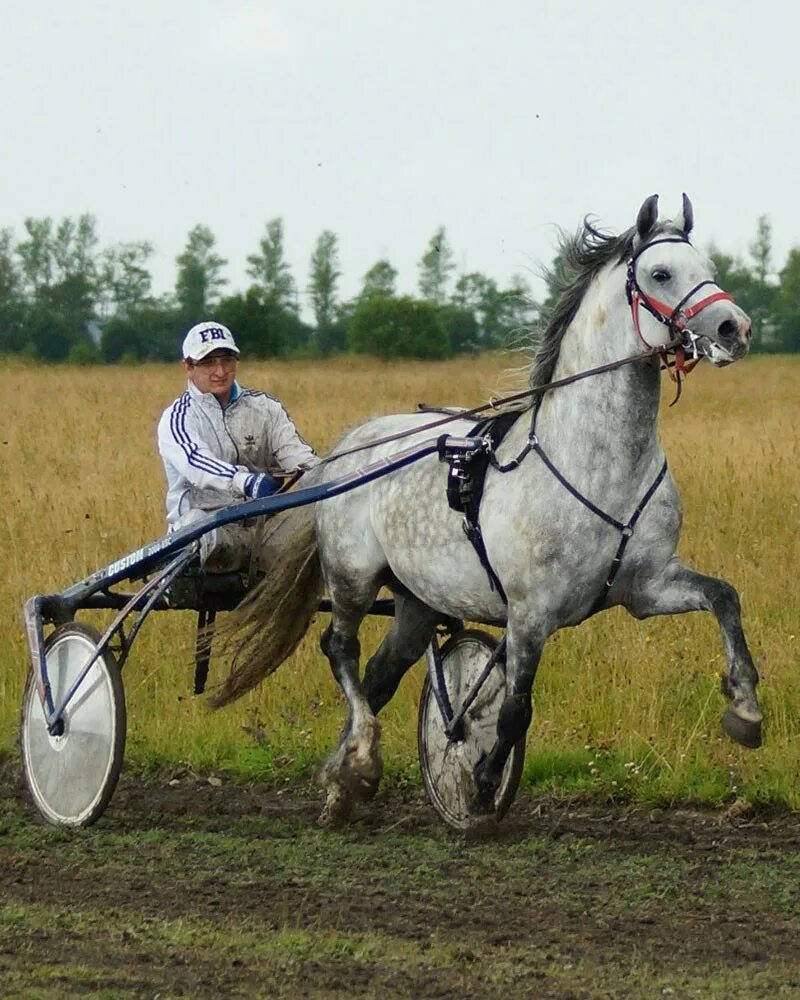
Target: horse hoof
{"type": "Point", "coordinates": [361, 768]}
{"type": "Point", "coordinates": [482, 805]}
{"type": "Point", "coordinates": [746, 733]}
{"type": "Point", "coordinates": [337, 808]}
{"type": "Point", "coordinates": [361, 787]}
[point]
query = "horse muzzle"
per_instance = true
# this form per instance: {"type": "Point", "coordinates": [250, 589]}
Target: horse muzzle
{"type": "Point", "coordinates": [729, 342]}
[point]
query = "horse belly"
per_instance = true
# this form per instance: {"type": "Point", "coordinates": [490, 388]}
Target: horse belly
{"type": "Point", "coordinates": [425, 545]}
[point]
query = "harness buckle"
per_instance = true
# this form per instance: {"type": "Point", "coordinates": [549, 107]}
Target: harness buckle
{"type": "Point", "coordinates": [459, 484]}
{"type": "Point", "coordinates": [630, 281]}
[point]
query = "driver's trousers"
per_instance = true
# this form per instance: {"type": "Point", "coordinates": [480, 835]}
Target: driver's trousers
{"type": "Point", "coordinates": [227, 549]}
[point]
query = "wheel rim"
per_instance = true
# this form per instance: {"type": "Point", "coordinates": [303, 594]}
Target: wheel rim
{"type": "Point", "coordinates": [69, 775]}
{"type": "Point", "coordinates": [448, 767]}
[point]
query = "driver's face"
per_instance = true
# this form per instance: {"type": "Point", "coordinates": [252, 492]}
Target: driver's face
{"type": "Point", "coordinates": [215, 373]}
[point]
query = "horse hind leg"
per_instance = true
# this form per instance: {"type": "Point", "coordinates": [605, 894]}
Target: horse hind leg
{"type": "Point", "coordinates": [405, 642]}
{"type": "Point", "coordinates": [353, 770]}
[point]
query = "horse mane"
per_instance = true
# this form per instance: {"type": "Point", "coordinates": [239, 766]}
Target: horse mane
{"type": "Point", "coordinates": [580, 257]}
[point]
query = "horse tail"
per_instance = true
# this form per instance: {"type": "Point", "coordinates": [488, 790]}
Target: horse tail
{"type": "Point", "coordinates": [269, 623]}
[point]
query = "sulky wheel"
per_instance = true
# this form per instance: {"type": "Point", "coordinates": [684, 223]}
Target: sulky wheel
{"type": "Point", "coordinates": [71, 777]}
{"type": "Point", "coordinates": [448, 766]}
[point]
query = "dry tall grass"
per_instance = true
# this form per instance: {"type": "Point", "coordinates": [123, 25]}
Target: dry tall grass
{"type": "Point", "coordinates": [82, 485]}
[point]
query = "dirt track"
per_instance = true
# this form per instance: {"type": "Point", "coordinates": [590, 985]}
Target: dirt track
{"type": "Point", "coordinates": [193, 889]}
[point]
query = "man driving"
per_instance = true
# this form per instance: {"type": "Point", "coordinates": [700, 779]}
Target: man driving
{"type": "Point", "coordinates": [221, 444]}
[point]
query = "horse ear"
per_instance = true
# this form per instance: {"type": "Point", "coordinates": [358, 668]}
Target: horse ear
{"type": "Point", "coordinates": [647, 217]}
{"type": "Point", "coordinates": [685, 220]}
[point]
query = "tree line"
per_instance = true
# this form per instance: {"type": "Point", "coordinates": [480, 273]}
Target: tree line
{"type": "Point", "coordinates": [62, 298]}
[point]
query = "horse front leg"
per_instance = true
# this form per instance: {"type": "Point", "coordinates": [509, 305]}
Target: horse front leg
{"type": "Point", "coordinates": [678, 589]}
{"type": "Point", "coordinates": [523, 652]}
{"type": "Point", "coordinates": [353, 771]}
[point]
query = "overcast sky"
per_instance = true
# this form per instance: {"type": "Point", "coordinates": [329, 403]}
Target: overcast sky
{"type": "Point", "coordinates": [382, 120]}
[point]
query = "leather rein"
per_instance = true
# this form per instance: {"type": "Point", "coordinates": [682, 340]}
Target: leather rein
{"type": "Point", "coordinates": [497, 403]}
{"type": "Point", "coordinates": [675, 319]}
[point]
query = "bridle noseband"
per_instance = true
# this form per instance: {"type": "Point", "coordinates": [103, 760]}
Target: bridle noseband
{"type": "Point", "coordinates": [675, 319]}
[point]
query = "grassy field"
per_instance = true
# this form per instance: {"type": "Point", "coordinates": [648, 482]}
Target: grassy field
{"type": "Point", "coordinates": [629, 709]}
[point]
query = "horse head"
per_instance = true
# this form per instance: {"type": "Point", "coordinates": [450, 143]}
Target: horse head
{"type": "Point", "coordinates": [673, 281]}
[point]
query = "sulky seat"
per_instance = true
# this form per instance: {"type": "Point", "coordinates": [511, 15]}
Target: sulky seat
{"type": "Point", "coordinates": [196, 590]}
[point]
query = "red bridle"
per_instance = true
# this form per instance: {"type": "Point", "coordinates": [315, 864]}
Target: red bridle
{"type": "Point", "coordinates": [675, 319]}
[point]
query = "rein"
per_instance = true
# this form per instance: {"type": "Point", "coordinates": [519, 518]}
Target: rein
{"type": "Point", "coordinates": [674, 319]}
{"type": "Point", "coordinates": [495, 404]}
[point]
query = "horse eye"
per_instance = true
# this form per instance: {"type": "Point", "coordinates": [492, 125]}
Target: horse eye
{"type": "Point", "coordinates": [660, 274]}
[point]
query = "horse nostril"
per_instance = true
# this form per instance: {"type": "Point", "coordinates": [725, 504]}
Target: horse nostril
{"type": "Point", "coordinates": [728, 330]}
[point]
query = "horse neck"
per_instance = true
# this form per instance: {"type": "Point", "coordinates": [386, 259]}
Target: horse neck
{"type": "Point", "coordinates": [615, 412]}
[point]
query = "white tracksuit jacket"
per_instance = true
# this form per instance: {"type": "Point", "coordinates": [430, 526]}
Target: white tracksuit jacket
{"type": "Point", "coordinates": [209, 451]}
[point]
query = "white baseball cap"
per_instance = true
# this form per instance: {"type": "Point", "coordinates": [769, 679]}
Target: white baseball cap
{"type": "Point", "coordinates": [206, 337]}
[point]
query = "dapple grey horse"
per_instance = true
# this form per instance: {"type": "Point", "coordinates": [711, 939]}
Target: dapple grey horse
{"type": "Point", "coordinates": [585, 498]}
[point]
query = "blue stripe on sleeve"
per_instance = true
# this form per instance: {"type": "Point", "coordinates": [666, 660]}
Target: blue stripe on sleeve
{"type": "Point", "coordinates": [203, 463]}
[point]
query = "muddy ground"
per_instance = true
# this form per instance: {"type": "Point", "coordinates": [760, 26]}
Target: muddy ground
{"type": "Point", "coordinates": [198, 889]}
